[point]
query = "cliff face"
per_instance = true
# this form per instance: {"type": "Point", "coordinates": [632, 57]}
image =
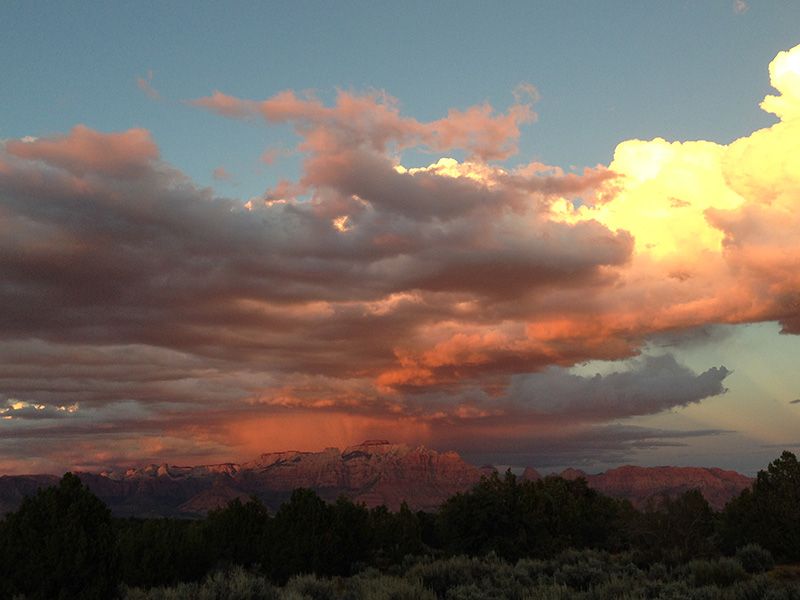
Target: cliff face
{"type": "Point", "coordinates": [375, 472]}
{"type": "Point", "coordinates": [640, 484]}
{"type": "Point", "coordinates": [13, 488]}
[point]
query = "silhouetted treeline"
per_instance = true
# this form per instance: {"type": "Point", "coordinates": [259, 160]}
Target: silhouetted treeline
{"type": "Point", "coordinates": [63, 542]}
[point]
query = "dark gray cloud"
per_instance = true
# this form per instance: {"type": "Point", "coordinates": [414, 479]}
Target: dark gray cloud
{"type": "Point", "coordinates": [651, 385]}
{"type": "Point", "coordinates": [693, 337]}
{"type": "Point", "coordinates": [606, 444]}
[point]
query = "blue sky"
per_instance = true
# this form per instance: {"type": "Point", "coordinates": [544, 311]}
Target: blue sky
{"type": "Point", "coordinates": [606, 71]}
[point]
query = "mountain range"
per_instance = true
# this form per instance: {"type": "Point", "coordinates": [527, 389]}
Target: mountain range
{"type": "Point", "coordinates": [374, 472]}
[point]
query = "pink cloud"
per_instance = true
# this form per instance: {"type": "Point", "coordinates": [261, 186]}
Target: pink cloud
{"type": "Point", "coordinates": [374, 119]}
{"type": "Point", "coordinates": [270, 155]}
{"type": "Point", "coordinates": [146, 85]}
{"type": "Point", "coordinates": [84, 150]}
{"type": "Point", "coordinates": [222, 174]}
{"type": "Point", "coordinates": [225, 105]}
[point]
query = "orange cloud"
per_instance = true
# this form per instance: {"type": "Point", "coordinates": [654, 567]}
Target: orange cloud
{"type": "Point", "coordinates": [85, 151]}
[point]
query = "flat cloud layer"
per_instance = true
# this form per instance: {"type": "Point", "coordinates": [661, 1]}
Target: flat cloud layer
{"type": "Point", "coordinates": [145, 318]}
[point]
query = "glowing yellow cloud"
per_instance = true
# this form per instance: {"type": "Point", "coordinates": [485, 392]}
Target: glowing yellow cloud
{"type": "Point", "coordinates": [666, 189]}
{"type": "Point", "coordinates": [716, 241]}
{"type": "Point", "coordinates": [342, 223]}
{"type": "Point", "coordinates": [784, 75]}
{"type": "Point", "coordinates": [450, 167]}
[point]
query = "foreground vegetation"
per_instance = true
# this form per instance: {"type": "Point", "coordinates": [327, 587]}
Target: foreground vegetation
{"type": "Point", "coordinates": [580, 575]}
{"type": "Point", "coordinates": [503, 539]}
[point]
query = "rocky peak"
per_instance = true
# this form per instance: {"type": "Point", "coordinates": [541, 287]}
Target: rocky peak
{"type": "Point", "coordinates": [572, 474]}
{"type": "Point", "coordinates": [530, 474]}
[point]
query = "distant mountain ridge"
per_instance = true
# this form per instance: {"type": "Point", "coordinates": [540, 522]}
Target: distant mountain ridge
{"type": "Point", "coordinates": [374, 472]}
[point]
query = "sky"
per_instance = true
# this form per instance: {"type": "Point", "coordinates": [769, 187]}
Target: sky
{"type": "Point", "coordinates": [540, 234]}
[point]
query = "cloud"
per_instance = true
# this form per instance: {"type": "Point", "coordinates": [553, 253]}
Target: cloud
{"type": "Point", "coordinates": [740, 7]}
{"type": "Point", "coordinates": [85, 151]}
{"type": "Point", "coordinates": [581, 447]}
{"type": "Point", "coordinates": [146, 85]}
{"type": "Point", "coordinates": [444, 302]}
{"type": "Point", "coordinates": [784, 76]}
{"type": "Point", "coordinates": [226, 106]}
{"type": "Point", "coordinates": [373, 120]}
{"type": "Point", "coordinates": [20, 409]}
{"type": "Point", "coordinates": [654, 384]}
{"type": "Point", "coordinates": [222, 174]}
{"type": "Point", "coordinates": [705, 335]}
{"type": "Point", "coordinates": [269, 156]}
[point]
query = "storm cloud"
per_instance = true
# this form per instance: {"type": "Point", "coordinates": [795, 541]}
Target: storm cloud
{"type": "Point", "coordinates": [442, 303]}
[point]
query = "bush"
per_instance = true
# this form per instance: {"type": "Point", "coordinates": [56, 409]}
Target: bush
{"type": "Point", "coordinates": [550, 592]}
{"type": "Point", "coordinates": [721, 572]}
{"type": "Point", "coordinates": [442, 575]}
{"type": "Point", "coordinates": [237, 584]}
{"type": "Point", "coordinates": [658, 571]}
{"type": "Point", "coordinates": [581, 576]}
{"type": "Point", "coordinates": [754, 558]}
{"type": "Point", "coordinates": [755, 588]}
{"type": "Point", "coordinates": [312, 587]}
{"type": "Point", "coordinates": [374, 586]}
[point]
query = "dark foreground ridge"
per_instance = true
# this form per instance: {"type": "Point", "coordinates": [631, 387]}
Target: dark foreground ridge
{"type": "Point", "coordinates": [374, 472]}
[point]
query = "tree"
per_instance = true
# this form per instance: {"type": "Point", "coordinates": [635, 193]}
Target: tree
{"type": "Point", "coordinates": [155, 552]}
{"type": "Point", "coordinates": [516, 519]}
{"type": "Point", "coordinates": [236, 533]}
{"type": "Point", "coordinates": [301, 537]}
{"type": "Point", "coordinates": [484, 519]}
{"type": "Point", "coordinates": [769, 513]}
{"type": "Point", "coordinates": [60, 544]}
{"type": "Point", "coordinates": [394, 535]}
{"type": "Point", "coordinates": [350, 535]}
{"type": "Point", "coordinates": [674, 529]}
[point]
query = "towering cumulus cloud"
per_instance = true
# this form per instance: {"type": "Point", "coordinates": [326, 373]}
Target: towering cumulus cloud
{"type": "Point", "coordinates": [141, 316]}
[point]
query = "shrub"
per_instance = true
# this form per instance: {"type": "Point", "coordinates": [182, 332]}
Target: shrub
{"type": "Point", "coordinates": [754, 558]}
{"type": "Point", "coordinates": [619, 588]}
{"type": "Point", "coordinates": [580, 576]}
{"type": "Point", "coordinates": [237, 584]}
{"type": "Point", "coordinates": [755, 588]}
{"type": "Point", "coordinates": [658, 571]}
{"type": "Point", "coordinates": [374, 586]}
{"type": "Point", "coordinates": [721, 572]}
{"type": "Point", "coordinates": [441, 575]}
{"type": "Point", "coordinates": [550, 592]}
{"type": "Point", "coordinates": [531, 571]}
{"type": "Point", "coordinates": [312, 587]}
